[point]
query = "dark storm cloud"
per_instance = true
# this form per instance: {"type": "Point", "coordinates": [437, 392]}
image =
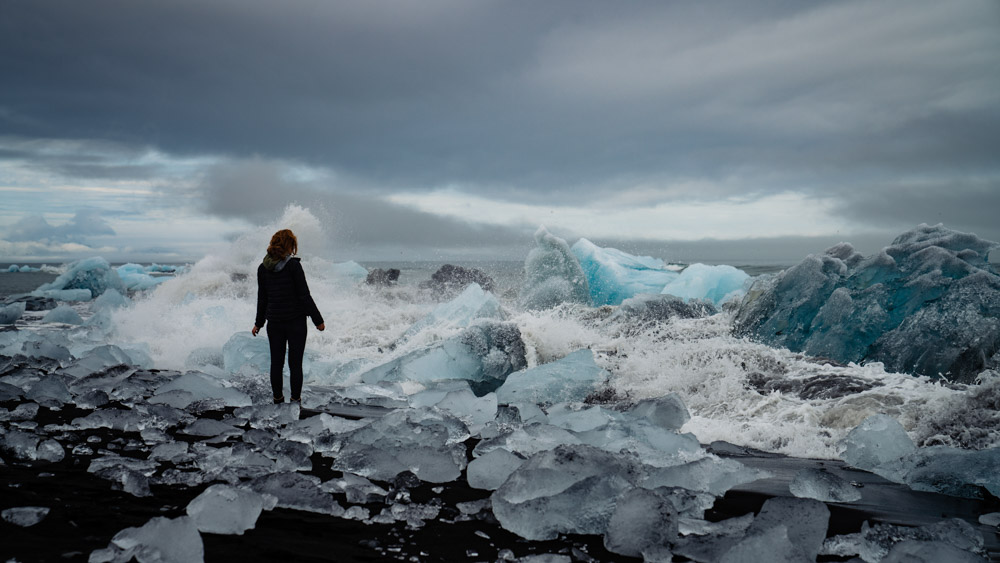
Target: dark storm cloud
{"type": "Point", "coordinates": [566, 96]}
{"type": "Point", "coordinates": [259, 190]}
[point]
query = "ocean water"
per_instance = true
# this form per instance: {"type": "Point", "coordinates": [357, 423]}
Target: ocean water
{"type": "Point", "coordinates": [736, 390]}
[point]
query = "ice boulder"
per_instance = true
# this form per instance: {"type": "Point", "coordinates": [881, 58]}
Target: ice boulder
{"type": "Point", "coordinates": [10, 313]}
{"type": "Point", "coordinates": [804, 523]}
{"type": "Point", "coordinates": [161, 540]}
{"type": "Point", "coordinates": [879, 439]}
{"type": "Point", "coordinates": [643, 519]}
{"type": "Point", "coordinates": [222, 509]}
{"type": "Point", "coordinates": [717, 284]}
{"type": "Point", "coordinates": [63, 314]}
{"type": "Point", "coordinates": [483, 354]}
{"type": "Point", "coordinates": [613, 275]}
{"type": "Point", "coordinates": [491, 470]}
{"type": "Point", "coordinates": [203, 387]}
{"type": "Point", "coordinates": [927, 304]}
{"type": "Point", "coordinates": [667, 412]}
{"type": "Point", "coordinates": [421, 441]}
{"type": "Point", "coordinates": [245, 351]}
{"type": "Point", "coordinates": [93, 274]}
{"type": "Point", "coordinates": [472, 304]}
{"type": "Point", "coordinates": [568, 490]}
{"type": "Point", "coordinates": [571, 378]}
{"type": "Point", "coordinates": [552, 274]}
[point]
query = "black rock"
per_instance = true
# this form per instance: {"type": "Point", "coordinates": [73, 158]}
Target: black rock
{"type": "Point", "coordinates": [380, 277]}
{"type": "Point", "coordinates": [32, 303]}
{"type": "Point", "coordinates": [451, 278]}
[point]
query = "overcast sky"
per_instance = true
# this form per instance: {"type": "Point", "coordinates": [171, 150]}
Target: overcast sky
{"type": "Point", "coordinates": [718, 131]}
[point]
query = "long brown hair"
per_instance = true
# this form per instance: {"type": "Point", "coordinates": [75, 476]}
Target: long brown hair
{"type": "Point", "coordinates": [282, 244]}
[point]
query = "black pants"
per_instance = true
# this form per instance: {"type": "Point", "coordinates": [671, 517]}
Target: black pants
{"type": "Point", "coordinates": [292, 335]}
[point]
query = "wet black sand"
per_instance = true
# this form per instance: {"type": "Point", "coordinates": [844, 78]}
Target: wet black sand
{"type": "Point", "coordinates": [86, 512]}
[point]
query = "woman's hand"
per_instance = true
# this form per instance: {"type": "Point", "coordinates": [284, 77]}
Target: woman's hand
{"type": "Point", "coordinates": [321, 327]}
{"type": "Point", "coordinates": [255, 330]}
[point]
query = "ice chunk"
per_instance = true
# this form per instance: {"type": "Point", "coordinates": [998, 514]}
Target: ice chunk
{"type": "Point", "coordinates": [357, 489]}
{"type": "Point", "coordinates": [614, 276]}
{"type": "Point", "coordinates": [110, 299]}
{"type": "Point", "coordinates": [222, 509]}
{"type": "Point", "coordinates": [667, 412]}
{"type": "Point", "coordinates": [642, 519]}
{"type": "Point", "coordinates": [571, 489]}
{"type": "Point", "coordinates": [50, 391]}
{"type": "Point", "coordinates": [10, 313]}
{"type": "Point", "coordinates": [709, 474]}
{"type": "Point", "coordinates": [878, 440]}
{"type": "Point", "coordinates": [491, 470]}
{"type": "Point", "coordinates": [20, 444]}
{"type": "Point", "coordinates": [471, 305]}
{"type": "Point", "coordinates": [243, 350]}
{"type": "Point", "coordinates": [874, 542]}
{"type": "Point", "coordinates": [349, 272]}
{"type": "Point", "coordinates": [463, 404]}
{"type": "Point", "coordinates": [528, 440]}
{"type": "Point", "coordinates": [297, 491]}
{"type": "Point", "coordinates": [94, 274]}
{"type": "Point", "coordinates": [136, 278]}
{"type": "Point", "coordinates": [25, 516]}
{"type": "Point", "coordinates": [422, 441]}
{"type": "Point", "coordinates": [571, 378]}
{"type": "Point", "coordinates": [772, 545]}
{"type": "Point", "coordinates": [484, 354]}
{"type": "Point", "coordinates": [161, 539]}
{"type": "Point", "coordinates": [63, 314]}
{"type": "Point", "coordinates": [552, 274]}
{"type": "Point", "coordinates": [805, 522]}
{"type": "Point", "coordinates": [911, 551]}
{"type": "Point", "coordinates": [822, 485]}
{"type": "Point", "coordinates": [202, 387]}
{"type": "Point", "coordinates": [927, 304]}
{"type": "Point", "coordinates": [717, 284]}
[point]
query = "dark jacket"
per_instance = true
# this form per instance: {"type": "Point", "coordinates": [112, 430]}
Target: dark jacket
{"type": "Point", "coordinates": [282, 293]}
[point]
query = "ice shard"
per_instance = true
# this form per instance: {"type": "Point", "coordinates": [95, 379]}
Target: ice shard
{"type": "Point", "coordinates": [571, 378]}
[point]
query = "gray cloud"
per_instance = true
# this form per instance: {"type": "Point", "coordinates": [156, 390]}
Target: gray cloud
{"type": "Point", "coordinates": [259, 190]}
{"type": "Point", "coordinates": [86, 223]}
{"type": "Point", "coordinates": [889, 109]}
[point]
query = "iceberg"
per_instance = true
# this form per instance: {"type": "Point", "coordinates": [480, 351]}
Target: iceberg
{"type": "Point", "coordinates": [569, 379]}
{"type": "Point", "coordinates": [93, 274]}
{"type": "Point", "coordinates": [928, 304]}
{"type": "Point", "coordinates": [717, 284]}
{"type": "Point", "coordinates": [552, 274]}
{"type": "Point", "coordinates": [484, 354]}
{"type": "Point", "coordinates": [613, 275]}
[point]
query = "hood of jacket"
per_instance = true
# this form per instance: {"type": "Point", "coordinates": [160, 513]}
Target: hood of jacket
{"type": "Point", "coordinates": [275, 265]}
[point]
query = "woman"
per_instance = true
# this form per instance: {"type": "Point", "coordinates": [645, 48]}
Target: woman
{"type": "Point", "coordinates": [283, 300]}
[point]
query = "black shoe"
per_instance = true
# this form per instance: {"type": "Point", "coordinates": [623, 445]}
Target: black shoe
{"type": "Point", "coordinates": [279, 400]}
